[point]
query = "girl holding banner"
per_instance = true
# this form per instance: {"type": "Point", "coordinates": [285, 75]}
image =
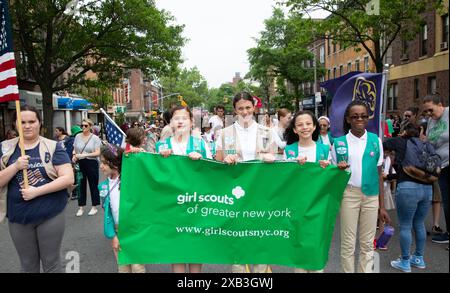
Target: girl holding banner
{"type": "Point", "coordinates": [360, 152]}
{"type": "Point", "coordinates": [301, 146]}
{"type": "Point", "coordinates": [182, 143]}
{"type": "Point", "coordinates": [246, 140]}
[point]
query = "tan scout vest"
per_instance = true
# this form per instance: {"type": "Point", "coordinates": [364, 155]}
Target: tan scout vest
{"type": "Point", "coordinates": [8, 148]}
{"type": "Point", "coordinates": [230, 145]}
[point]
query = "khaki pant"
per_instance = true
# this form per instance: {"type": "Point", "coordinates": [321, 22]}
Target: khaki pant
{"type": "Point", "coordinates": [240, 269]}
{"type": "Point", "coordinates": [358, 212]}
{"type": "Point", "coordinates": [132, 269]}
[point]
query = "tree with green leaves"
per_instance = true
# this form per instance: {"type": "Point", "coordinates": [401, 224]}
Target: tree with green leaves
{"type": "Point", "coordinates": [351, 25]}
{"type": "Point", "coordinates": [56, 37]}
{"type": "Point", "coordinates": [281, 52]}
{"type": "Point", "coordinates": [189, 83]}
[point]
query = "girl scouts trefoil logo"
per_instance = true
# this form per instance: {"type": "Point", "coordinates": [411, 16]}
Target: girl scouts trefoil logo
{"type": "Point", "coordinates": [366, 91]}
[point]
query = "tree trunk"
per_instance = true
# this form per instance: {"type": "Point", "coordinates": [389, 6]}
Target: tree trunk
{"type": "Point", "coordinates": [378, 60]}
{"type": "Point", "coordinates": [47, 103]}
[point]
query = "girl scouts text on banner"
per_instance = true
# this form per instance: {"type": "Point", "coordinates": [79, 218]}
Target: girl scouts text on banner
{"type": "Point", "coordinates": [176, 210]}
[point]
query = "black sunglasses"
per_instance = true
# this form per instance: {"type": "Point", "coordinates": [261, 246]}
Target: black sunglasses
{"type": "Point", "coordinates": [84, 125]}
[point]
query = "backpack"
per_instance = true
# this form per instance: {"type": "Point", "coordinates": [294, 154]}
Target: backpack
{"type": "Point", "coordinates": [421, 161]}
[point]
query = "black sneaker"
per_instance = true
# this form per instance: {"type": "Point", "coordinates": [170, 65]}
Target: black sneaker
{"type": "Point", "coordinates": [440, 238]}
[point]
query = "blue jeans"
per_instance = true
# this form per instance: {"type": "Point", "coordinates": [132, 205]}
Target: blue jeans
{"type": "Point", "coordinates": [413, 201]}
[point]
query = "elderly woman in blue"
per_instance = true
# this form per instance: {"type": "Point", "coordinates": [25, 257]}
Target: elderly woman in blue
{"type": "Point", "coordinates": [182, 143]}
{"type": "Point", "coordinates": [361, 153]}
{"type": "Point", "coordinates": [300, 136]}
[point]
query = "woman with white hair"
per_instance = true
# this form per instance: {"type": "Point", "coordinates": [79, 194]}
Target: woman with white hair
{"type": "Point", "coordinates": [325, 136]}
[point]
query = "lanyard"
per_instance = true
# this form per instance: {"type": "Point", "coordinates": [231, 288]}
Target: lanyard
{"type": "Point", "coordinates": [114, 186]}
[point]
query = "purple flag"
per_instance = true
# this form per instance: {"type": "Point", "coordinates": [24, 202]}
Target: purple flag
{"type": "Point", "coordinates": [367, 87]}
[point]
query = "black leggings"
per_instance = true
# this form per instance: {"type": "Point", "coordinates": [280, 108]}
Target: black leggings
{"type": "Point", "coordinates": [90, 171]}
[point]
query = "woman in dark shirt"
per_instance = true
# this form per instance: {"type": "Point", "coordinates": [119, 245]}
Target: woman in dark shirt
{"type": "Point", "coordinates": [413, 200]}
{"type": "Point", "coordinates": [35, 212]}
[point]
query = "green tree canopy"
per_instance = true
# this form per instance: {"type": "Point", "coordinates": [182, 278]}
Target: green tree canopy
{"type": "Point", "coordinates": [351, 26]}
{"type": "Point", "coordinates": [104, 37]}
{"type": "Point", "coordinates": [281, 52]}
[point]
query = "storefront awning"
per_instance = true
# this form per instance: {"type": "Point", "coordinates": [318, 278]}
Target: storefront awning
{"type": "Point", "coordinates": [69, 103]}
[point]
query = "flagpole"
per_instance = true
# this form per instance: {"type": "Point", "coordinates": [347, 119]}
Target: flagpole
{"type": "Point", "coordinates": [112, 121]}
{"type": "Point", "coordinates": [21, 144]}
{"type": "Point", "coordinates": [384, 100]}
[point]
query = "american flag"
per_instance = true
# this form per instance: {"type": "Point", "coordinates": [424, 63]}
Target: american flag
{"type": "Point", "coordinates": [9, 90]}
{"type": "Point", "coordinates": [114, 134]}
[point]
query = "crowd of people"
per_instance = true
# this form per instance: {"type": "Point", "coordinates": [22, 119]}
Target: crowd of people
{"type": "Point", "coordinates": [378, 182]}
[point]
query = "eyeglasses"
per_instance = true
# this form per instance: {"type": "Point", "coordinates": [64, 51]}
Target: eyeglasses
{"type": "Point", "coordinates": [362, 117]}
{"type": "Point", "coordinates": [84, 125]}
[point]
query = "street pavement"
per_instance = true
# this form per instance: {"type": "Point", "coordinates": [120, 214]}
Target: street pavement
{"type": "Point", "coordinates": [84, 235]}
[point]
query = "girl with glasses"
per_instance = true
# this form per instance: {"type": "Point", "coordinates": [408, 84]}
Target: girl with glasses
{"type": "Point", "coordinates": [360, 152]}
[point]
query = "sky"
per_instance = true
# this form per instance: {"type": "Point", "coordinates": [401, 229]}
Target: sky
{"type": "Point", "coordinates": [220, 32]}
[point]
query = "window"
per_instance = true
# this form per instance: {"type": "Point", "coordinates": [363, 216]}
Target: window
{"type": "Point", "coordinates": [392, 97]}
{"type": "Point", "coordinates": [334, 47]}
{"type": "Point", "coordinates": [322, 54]}
{"type": "Point", "coordinates": [334, 72]}
{"type": "Point", "coordinates": [405, 47]}
{"type": "Point", "coordinates": [349, 66]}
{"type": "Point", "coordinates": [329, 74]}
{"type": "Point", "coordinates": [366, 64]}
{"type": "Point", "coordinates": [328, 47]}
{"type": "Point", "coordinates": [357, 65]}
{"type": "Point", "coordinates": [431, 87]}
{"type": "Point", "coordinates": [416, 89]}
{"type": "Point", "coordinates": [444, 32]}
{"type": "Point", "coordinates": [423, 40]}
{"type": "Point", "coordinates": [341, 70]}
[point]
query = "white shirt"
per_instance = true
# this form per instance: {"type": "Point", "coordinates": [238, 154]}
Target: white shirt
{"type": "Point", "coordinates": [247, 140]}
{"type": "Point", "coordinates": [356, 148]}
{"type": "Point", "coordinates": [114, 197]}
{"type": "Point", "coordinates": [325, 139]}
{"type": "Point", "coordinates": [180, 148]}
{"type": "Point", "coordinates": [277, 134]}
{"type": "Point", "coordinates": [215, 121]}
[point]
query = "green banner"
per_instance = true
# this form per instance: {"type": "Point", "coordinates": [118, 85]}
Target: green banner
{"type": "Point", "coordinates": [176, 210]}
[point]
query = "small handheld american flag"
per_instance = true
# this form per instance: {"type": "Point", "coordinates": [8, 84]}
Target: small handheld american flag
{"type": "Point", "coordinates": [9, 90]}
{"type": "Point", "coordinates": [114, 134]}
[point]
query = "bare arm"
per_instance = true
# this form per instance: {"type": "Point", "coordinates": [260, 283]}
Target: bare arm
{"type": "Point", "coordinates": [64, 180]}
{"type": "Point", "coordinates": [8, 173]}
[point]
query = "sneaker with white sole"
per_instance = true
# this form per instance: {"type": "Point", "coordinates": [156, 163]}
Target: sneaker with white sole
{"type": "Point", "coordinates": [80, 212]}
{"type": "Point", "coordinates": [417, 261]}
{"type": "Point", "coordinates": [402, 265]}
{"type": "Point", "coordinates": [92, 212]}
{"type": "Point", "coordinates": [440, 238]}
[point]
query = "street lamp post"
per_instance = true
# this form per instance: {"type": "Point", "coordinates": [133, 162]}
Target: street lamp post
{"type": "Point", "coordinates": [162, 98]}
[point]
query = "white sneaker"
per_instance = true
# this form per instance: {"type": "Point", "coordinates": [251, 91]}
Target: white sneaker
{"type": "Point", "coordinates": [93, 211]}
{"type": "Point", "coordinates": [80, 212]}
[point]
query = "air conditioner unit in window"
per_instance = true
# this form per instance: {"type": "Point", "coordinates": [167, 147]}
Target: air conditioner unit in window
{"type": "Point", "coordinates": [444, 46]}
